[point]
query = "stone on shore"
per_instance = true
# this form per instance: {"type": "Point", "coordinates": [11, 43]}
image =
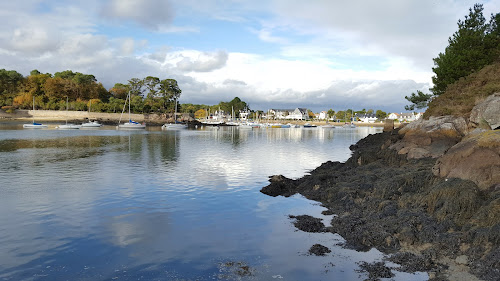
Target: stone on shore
{"type": "Point", "coordinates": [476, 158]}
{"type": "Point", "coordinates": [486, 114]}
{"type": "Point", "coordinates": [430, 138]}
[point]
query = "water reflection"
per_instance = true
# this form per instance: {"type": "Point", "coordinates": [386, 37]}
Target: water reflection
{"type": "Point", "coordinates": [162, 204]}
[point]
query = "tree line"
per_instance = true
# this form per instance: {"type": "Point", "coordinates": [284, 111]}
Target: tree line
{"type": "Point", "coordinates": [474, 45]}
{"type": "Point", "coordinates": [148, 95]}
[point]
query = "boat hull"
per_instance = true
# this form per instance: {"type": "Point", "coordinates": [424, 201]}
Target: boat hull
{"type": "Point", "coordinates": [34, 126]}
{"type": "Point", "coordinates": [173, 127]}
{"type": "Point", "coordinates": [132, 126]}
{"type": "Point", "coordinates": [91, 125]}
{"type": "Point", "coordinates": [69, 127]}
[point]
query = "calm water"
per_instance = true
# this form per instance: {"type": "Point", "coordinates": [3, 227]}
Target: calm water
{"type": "Point", "coordinates": [165, 205]}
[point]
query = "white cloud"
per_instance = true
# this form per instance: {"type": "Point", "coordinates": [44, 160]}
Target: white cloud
{"type": "Point", "coordinates": [203, 62]}
{"type": "Point", "coordinates": [321, 54]}
{"type": "Point", "coordinates": [30, 40]}
{"type": "Point", "coordinates": [148, 13]}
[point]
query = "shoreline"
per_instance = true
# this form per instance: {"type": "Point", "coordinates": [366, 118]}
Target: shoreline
{"type": "Point", "coordinates": [150, 119]}
{"type": "Point", "coordinates": [382, 200]}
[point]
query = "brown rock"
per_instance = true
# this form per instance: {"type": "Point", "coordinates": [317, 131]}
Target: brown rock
{"type": "Point", "coordinates": [430, 138]}
{"type": "Point", "coordinates": [486, 114]}
{"type": "Point", "coordinates": [476, 158]}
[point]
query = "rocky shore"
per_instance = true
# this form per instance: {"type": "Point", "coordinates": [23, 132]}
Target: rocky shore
{"type": "Point", "coordinates": [428, 195]}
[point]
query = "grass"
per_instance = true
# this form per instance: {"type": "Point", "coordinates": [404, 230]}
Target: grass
{"type": "Point", "coordinates": [463, 95]}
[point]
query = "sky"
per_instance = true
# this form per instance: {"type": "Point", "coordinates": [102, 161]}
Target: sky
{"type": "Point", "coordinates": [318, 54]}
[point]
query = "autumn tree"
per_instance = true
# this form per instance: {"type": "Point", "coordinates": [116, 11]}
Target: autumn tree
{"type": "Point", "coordinates": [200, 113]}
{"type": "Point", "coordinates": [10, 80]}
{"type": "Point", "coordinates": [119, 90]}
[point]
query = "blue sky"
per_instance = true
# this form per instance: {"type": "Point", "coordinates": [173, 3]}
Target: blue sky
{"type": "Point", "coordinates": [318, 54]}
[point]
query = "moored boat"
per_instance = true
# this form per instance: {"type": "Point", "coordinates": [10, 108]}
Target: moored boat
{"type": "Point", "coordinates": [34, 125]}
{"type": "Point", "coordinates": [130, 125]}
{"type": "Point", "coordinates": [92, 124]}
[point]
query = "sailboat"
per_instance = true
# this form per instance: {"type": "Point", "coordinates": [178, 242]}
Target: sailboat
{"type": "Point", "coordinates": [34, 125]}
{"type": "Point", "coordinates": [91, 124]}
{"type": "Point", "coordinates": [68, 126]}
{"type": "Point", "coordinates": [130, 125]}
{"type": "Point", "coordinates": [176, 125]}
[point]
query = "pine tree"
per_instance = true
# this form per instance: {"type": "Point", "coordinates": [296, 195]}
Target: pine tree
{"type": "Point", "coordinates": [466, 52]}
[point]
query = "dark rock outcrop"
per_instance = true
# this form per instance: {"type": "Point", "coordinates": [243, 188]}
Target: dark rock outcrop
{"type": "Point", "coordinates": [319, 250]}
{"type": "Point", "coordinates": [385, 199]}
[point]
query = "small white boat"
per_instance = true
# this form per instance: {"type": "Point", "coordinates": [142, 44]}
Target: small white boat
{"type": "Point", "coordinates": [92, 124]}
{"type": "Point", "coordinates": [176, 125]}
{"type": "Point", "coordinates": [68, 127]}
{"type": "Point", "coordinates": [130, 125]}
{"type": "Point", "coordinates": [34, 125]}
{"type": "Point", "coordinates": [328, 126]}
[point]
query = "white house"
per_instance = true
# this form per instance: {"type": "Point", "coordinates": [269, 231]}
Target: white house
{"type": "Point", "coordinates": [298, 114]}
{"type": "Point", "coordinates": [323, 115]}
{"type": "Point", "coordinates": [244, 114]}
{"type": "Point", "coordinates": [393, 116]}
{"type": "Point", "coordinates": [405, 117]}
{"type": "Point", "coordinates": [294, 114]}
{"type": "Point", "coordinates": [367, 118]}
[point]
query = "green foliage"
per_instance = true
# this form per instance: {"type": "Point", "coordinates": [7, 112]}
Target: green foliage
{"type": "Point", "coordinates": [151, 84]}
{"type": "Point", "coordinates": [380, 114]}
{"type": "Point", "coordinates": [135, 86]}
{"type": "Point", "coordinates": [418, 100]}
{"type": "Point", "coordinates": [473, 46]}
{"type": "Point", "coordinates": [340, 115]}
{"type": "Point", "coordinates": [330, 113]}
{"type": "Point", "coordinates": [235, 104]}
{"type": "Point", "coordinates": [9, 84]}
{"type": "Point", "coordinates": [461, 96]}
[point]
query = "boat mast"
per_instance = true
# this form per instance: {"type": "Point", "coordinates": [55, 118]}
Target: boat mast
{"type": "Point", "coordinates": [67, 108]}
{"type": "Point", "coordinates": [129, 99]}
{"type": "Point", "coordinates": [33, 109]}
{"type": "Point", "coordinates": [175, 112]}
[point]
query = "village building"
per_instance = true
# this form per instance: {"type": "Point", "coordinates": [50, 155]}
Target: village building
{"type": "Point", "coordinates": [405, 117]}
{"type": "Point", "coordinates": [366, 118]}
{"type": "Point", "coordinates": [289, 114]}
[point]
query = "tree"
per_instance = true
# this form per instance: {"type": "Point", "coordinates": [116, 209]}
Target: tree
{"type": "Point", "coordinates": [35, 72]}
{"type": "Point", "coordinates": [380, 114]}
{"type": "Point", "coordinates": [340, 115]}
{"type": "Point", "coordinates": [169, 89]}
{"type": "Point", "coordinates": [135, 86]}
{"type": "Point", "coordinates": [10, 80]}
{"type": "Point", "coordinates": [418, 100]}
{"type": "Point", "coordinates": [200, 113]}
{"type": "Point", "coordinates": [119, 90]}
{"type": "Point", "coordinates": [56, 88]}
{"type": "Point", "coordinates": [470, 48]}
{"type": "Point", "coordinates": [151, 84]}
{"type": "Point", "coordinates": [330, 113]}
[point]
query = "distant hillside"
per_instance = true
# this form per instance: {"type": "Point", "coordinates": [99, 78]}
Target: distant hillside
{"type": "Point", "coordinates": [460, 97]}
